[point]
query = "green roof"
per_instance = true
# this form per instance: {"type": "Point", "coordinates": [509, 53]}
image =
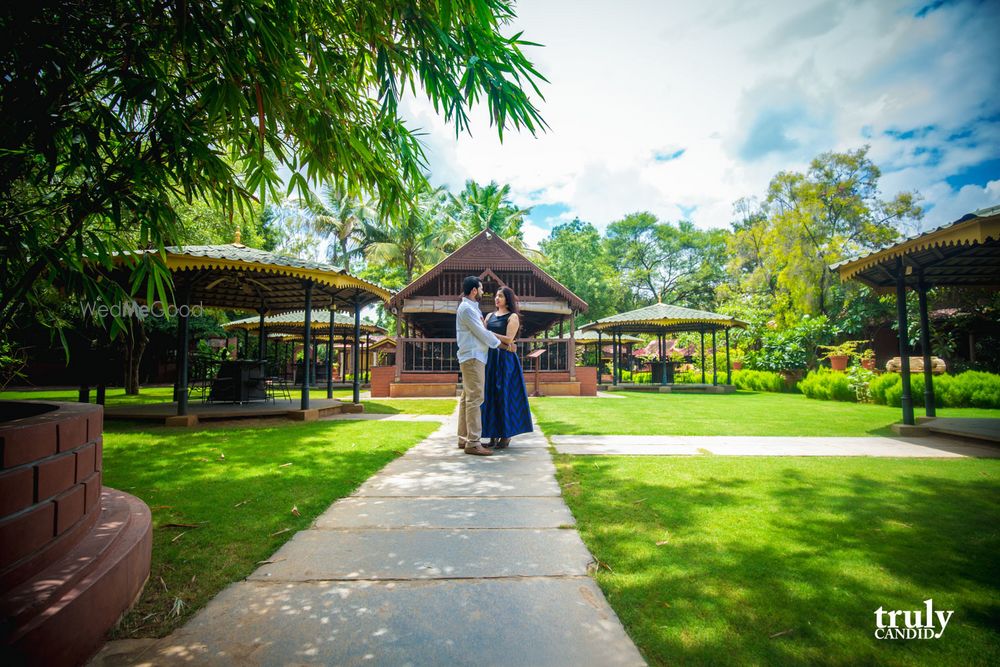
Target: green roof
{"type": "Point", "coordinates": [663, 317]}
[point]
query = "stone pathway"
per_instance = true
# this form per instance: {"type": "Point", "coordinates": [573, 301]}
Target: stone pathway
{"type": "Point", "coordinates": [439, 559]}
{"type": "Point", "coordinates": [661, 445]}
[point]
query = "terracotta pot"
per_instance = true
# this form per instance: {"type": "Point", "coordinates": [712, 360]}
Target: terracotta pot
{"type": "Point", "coordinates": [868, 364]}
{"type": "Point", "coordinates": [839, 362]}
{"type": "Point", "coordinates": [737, 365]}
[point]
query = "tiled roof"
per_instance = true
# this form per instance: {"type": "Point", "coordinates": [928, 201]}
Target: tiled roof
{"type": "Point", "coordinates": [662, 316]}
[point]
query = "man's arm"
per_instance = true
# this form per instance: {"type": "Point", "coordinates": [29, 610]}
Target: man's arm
{"type": "Point", "coordinates": [478, 329]}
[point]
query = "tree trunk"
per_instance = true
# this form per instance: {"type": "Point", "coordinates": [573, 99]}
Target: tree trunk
{"type": "Point", "coordinates": [135, 344]}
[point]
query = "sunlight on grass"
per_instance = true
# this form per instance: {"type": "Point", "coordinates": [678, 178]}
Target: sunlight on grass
{"type": "Point", "coordinates": [116, 396]}
{"type": "Point", "coordinates": [229, 492]}
{"type": "Point", "coordinates": [784, 561]}
{"type": "Point", "coordinates": [742, 413]}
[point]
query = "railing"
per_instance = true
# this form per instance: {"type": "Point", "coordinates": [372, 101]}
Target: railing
{"type": "Point", "coordinates": [440, 355]}
{"type": "Point", "coordinates": [430, 355]}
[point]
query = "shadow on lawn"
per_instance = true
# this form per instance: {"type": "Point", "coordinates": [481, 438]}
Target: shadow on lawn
{"type": "Point", "coordinates": [791, 572]}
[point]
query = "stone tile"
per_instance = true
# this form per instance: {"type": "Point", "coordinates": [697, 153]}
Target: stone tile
{"type": "Point", "coordinates": [363, 512]}
{"type": "Point", "coordinates": [426, 554]}
{"type": "Point", "coordinates": [539, 622]}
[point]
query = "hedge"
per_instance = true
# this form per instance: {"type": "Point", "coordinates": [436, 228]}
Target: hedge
{"type": "Point", "coordinates": [971, 389]}
{"type": "Point", "coordinates": [827, 385]}
{"type": "Point", "coordinates": [759, 381]}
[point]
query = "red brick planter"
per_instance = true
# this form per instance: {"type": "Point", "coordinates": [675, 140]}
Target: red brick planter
{"type": "Point", "coordinates": [73, 556]}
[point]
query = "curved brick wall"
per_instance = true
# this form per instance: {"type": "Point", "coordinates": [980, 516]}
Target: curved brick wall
{"type": "Point", "coordinates": [64, 541]}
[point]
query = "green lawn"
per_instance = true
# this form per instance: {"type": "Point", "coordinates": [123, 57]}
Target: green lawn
{"type": "Point", "coordinates": [116, 396]}
{"type": "Point", "coordinates": [742, 413]}
{"type": "Point", "coordinates": [711, 560]}
{"type": "Point", "coordinates": [234, 489]}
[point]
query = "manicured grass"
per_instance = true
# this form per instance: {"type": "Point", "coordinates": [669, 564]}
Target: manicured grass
{"type": "Point", "coordinates": [742, 413]}
{"type": "Point", "coordinates": [113, 395]}
{"type": "Point", "coordinates": [116, 396]}
{"type": "Point", "coordinates": [775, 561]}
{"type": "Point", "coordinates": [234, 488]}
{"type": "Point", "coordinates": [411, 406]}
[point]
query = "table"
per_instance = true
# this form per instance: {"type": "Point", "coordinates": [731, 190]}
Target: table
{"type": "Point", "coordinates": [239, 381]}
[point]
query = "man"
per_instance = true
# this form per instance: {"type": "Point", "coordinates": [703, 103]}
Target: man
{"type": "Point", "coordinates": [474, 340]}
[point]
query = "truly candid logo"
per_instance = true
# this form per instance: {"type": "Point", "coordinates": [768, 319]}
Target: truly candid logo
{"type": "Point", "coordinates": [133, 309]}
{"type": "Point", "coordinates": [911, 624]}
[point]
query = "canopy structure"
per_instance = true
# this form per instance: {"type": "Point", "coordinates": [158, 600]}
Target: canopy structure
{"type": "Point", "coordinates": [233, 276]}
{"type": "Point", "coordinates": [292, 326]}
{"type": "Point", "coordinates": [661, 319]}
{"type": "Point", "coordinates": [963, 253]}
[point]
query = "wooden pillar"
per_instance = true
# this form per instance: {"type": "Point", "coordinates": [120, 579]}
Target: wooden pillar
{"type": "Point", "coordinates": [703, 355]}
{"type": "Point", "coordinates": [329, 357]}
{"type": "Point", "coordinates": [925, 344]}
{"type": "Point", "coordinates": [307, 344]}
{"type": "Point", "coordinates": [600, 354]}
{"type": "Point", "coordinates": [368, 357]}
{"type": "Point", "coordinates": [400, 348]}
{"type": "Point", "coordinates": [715, 373]}
{"type": "Point", "coordinates": [571, 348]}
{"type": "Point", "coordinates": [906, 399]}
{"type": "Point", "coordinates": [614, 358]}
{"type": "Point", "coordinates": [729, 368]}
{"type": "Point", "coordinates": [261, 339]}
{"type": "Point", "coordinates": [182, 353]}
{"type": "Point", "coordinates": [357, 351]}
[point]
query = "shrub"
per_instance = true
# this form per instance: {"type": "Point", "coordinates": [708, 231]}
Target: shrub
{"type": "Point", "coordinates": [827, 385]}
{"type": "Point", "coordinates": [759, 381]}
{"type": "Point", "coordinates": [637, 376]}
{"type": "Point", "coordinates": [969, 389]}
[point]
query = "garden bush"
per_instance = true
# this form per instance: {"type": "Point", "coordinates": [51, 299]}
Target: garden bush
{"type": "Point", "coordinates": [971, 389]}
{"type": "Point", "coordinates": [637, 376]}
{"type": "Point", "coordinates": [827, 385]}
{"type": "Point", "coordinates": [759, 381]}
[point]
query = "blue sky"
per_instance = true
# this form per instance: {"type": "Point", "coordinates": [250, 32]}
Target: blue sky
{"type": "Point", "coordinates": [680, 108]}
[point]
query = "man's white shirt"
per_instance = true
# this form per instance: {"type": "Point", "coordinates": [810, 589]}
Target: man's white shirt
{"type": "Point", "coordinates": [474, 339]}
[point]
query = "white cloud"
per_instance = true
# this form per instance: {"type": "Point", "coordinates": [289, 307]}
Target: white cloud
{"type": "Point", "coordinates": [745, 90]}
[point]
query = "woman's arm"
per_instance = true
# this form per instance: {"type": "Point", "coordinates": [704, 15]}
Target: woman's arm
{"type": "Point", "coordinates": [513, 324]}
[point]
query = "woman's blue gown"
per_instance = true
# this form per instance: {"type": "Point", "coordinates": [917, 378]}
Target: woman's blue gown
{"type": "Point", "coordinates": [505, 410]}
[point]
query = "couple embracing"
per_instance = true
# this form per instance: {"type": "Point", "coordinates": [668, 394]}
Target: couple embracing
{"type": "Point", "coordinates": [494, 401]}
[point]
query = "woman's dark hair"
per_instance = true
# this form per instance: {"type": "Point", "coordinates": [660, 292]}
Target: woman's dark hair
{"type": "Point", "coordinates": [469, 284]}
{"type": "Point", "coordinates": [511, 298]}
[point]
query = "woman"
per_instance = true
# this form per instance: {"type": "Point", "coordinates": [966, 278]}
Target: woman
{"type": "Point", "coordinates": [505, 410]}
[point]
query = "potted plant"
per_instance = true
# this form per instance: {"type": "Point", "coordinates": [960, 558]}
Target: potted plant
{"type": "Point", "coordinates": [867, 359]}
{"type": "Point", "coordinates": [840, 354]}
{"type": "Point", "coordinates": [736, 359]}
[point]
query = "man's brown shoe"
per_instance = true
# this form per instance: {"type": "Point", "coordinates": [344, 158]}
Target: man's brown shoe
{"type": "Point", "coordinates": [478, 450]}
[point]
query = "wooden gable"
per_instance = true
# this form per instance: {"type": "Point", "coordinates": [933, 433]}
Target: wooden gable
{"type": "Point", "coordinates": [488, 256]}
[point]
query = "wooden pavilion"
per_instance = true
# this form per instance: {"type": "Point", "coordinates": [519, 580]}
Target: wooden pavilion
{"type": "Point", "coordinates": [426, 362]}
{"type": "Point", "coordinates": [661, 319]}
{"type": "Point", "coordinates": [234, 276]}
{"type": "Point", "coordinates": [963, 253]}
{"type": "Point", "coordinates": [292, 326]}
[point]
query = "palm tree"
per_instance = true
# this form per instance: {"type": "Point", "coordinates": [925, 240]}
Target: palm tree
{"type": "Point", "coordinates": [415, 239]}
{"type": "Point", "coordinates": [478, 208]}
{"type": "Point", "coordinates": [341, 217]}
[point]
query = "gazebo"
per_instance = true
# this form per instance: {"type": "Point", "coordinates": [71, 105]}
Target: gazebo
{"type": "Point", "coordinates": [659, 320]}
{"type": "Point", "coordinates": [590, 338]}
{"type": "Point", "coordinates": [292, 328]}
{"type": "Point", "coordinates": [233, 276]}
{"type": "Point", "coordinates": [963, 253]}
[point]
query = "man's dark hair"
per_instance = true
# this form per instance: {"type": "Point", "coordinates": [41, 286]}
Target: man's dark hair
{"type": "Point", "coordinates": [470, 284]}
